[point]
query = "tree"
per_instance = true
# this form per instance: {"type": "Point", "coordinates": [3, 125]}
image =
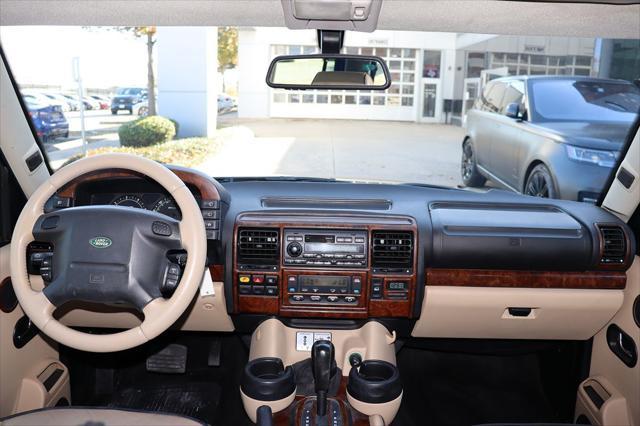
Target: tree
{"type": "Point", "coordinates": [227, 48]}
{"type": "Point", "coordinates": [150, 34]}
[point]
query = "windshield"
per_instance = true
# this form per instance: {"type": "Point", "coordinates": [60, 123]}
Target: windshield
{"type": "Point", "coordinates": [208, 107]}
{"type": "Point", "coordinates": [573, 100]}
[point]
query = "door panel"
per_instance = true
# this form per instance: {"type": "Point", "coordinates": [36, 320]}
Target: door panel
{"type": "Point", "coordinates": [616, 400]}
{"type": "Point", "coordinates": [23, 370]}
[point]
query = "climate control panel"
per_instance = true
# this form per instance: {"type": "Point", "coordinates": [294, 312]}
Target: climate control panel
{"type": "Point", "coordinates": [324, 289]}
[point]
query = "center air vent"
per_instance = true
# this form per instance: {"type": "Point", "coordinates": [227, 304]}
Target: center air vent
{"type": "Point", "coordinates": [614, 244]}
{"type": "Point", "coordinates": [258, 248]}
{"type": "Point", "coordinates": [392, 251]}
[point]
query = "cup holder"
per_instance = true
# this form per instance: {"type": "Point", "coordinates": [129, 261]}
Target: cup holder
{"type": "Point", "coordinates": [266, 379]}
{"type": "Point", "coordinates": [374, 382]}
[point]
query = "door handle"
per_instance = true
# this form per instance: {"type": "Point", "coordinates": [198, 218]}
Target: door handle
{"type": "Point", "coordinates": [627, 352]}
{"type": "Point", "coordinates": [622, 345]}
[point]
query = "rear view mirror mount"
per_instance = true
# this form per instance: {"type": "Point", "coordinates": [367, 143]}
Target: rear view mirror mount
{"type": "Point", "coordinates": [328, 72]}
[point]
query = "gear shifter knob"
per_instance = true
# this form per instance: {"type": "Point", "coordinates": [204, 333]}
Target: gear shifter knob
{"type": "Point", "coordinates": [322, 357]}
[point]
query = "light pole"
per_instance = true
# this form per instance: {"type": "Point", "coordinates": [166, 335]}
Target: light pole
{"type": "Point", "coordinates": [78, 79]}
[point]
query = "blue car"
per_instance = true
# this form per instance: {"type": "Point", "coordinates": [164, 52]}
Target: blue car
{"type": "Point", "coordinates": [49, 121]}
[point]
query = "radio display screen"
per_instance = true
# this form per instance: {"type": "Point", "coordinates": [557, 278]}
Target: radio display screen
{"type": "Point", "coordinates": [323, 281]}
{"type": "Point", "coordinates": [333, 248]}
{"type": "Point", "coordinates": [319, 239]}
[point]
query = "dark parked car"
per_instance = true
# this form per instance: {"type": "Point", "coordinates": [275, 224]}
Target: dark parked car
{"type": "Point", "coordinates": [48, 120]}
{"type": "Point", "coordinates": [126, 98]}
{"type": "Point", "coordinates": [555, 137]}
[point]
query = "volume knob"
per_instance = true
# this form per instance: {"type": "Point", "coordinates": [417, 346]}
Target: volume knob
{"type": "Point", "coordinates": [294, 249]}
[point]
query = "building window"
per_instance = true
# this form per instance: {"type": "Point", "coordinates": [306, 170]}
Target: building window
{"type": "Point", "coordinates": [307, 98]}
{"type": "Point", "coordinates": [431, 64]}
{"type": "Point", "coordinates": [378, 100]}
{"type": "Point", "coordinates": [529, 64]}
{"type": "Point", "coordinates": [336, 99]}
{"type": "Point", "coordinates": [475, 64]}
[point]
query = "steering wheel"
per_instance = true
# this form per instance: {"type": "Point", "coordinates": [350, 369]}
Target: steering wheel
{"type": "Point", "coordinates": [109, 254]}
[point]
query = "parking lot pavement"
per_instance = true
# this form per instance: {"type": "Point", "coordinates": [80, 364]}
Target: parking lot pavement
{"type": "Point", "coordinates": [101, 129]}
{"type": "Point", "coordinates": [343, 149]}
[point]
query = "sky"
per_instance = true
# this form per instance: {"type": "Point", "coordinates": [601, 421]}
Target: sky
{"type": "Point", "coordinates": [43, 55]}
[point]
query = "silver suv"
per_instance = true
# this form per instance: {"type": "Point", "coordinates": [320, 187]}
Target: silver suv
{"type": "Point", "coordinates": [555, 137]}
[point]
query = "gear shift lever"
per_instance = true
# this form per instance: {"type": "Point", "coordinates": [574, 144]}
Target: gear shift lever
{"type": "Point", "coordinates": [322, 357]}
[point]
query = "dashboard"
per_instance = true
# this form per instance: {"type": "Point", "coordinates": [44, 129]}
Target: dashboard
{"type": "Point", "coordinates": [156, 202]}
{"type": "Point", "coordinates": [349, 251]}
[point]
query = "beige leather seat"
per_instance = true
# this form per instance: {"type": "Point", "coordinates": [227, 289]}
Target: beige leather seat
{"type": "Point", "coordinates": [83, 416]}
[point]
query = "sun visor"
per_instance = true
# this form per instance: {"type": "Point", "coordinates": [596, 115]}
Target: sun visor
{"type": "Point", "coordinates": [344, 15]}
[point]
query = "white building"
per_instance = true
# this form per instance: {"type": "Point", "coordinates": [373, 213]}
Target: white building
{"type": "Point", "coordinates": [432, 73]}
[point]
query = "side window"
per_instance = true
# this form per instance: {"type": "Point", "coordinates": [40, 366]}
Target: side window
{"type": "Point", "coordinates": [494, 97]}
{"type": "Point", "coordinates": [513, 94]}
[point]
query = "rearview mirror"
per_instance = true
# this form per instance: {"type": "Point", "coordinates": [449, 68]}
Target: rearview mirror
{"type": "Point", "coordinates": [340, 72]}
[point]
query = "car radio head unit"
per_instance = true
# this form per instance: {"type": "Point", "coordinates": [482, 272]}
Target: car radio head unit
{"type": "Point", "coordinates": [315, 248]}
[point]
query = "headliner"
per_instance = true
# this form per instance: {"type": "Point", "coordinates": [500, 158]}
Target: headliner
{"type": "Point", "coordinates": [470, 16]}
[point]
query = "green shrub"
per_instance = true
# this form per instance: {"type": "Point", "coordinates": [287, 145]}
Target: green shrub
{"type": "Point", "coordinates": [176, 125]}
{"type": "Point", "coordinates": [146, 131]}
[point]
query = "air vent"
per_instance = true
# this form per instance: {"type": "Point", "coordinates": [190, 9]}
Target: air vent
{"type": "Point", "coordinates": [258, 248]}
{"type": "Point", "coordinates": [614, 244]}
{"type": "Point", "coordinates": [392, 251]}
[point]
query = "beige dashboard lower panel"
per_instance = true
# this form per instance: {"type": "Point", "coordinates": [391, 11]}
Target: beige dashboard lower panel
{"type": "Point", "coordinates": [206, 313]}
{"type": "Point", "coordinates": [474, 312]}
{"type": "Point", "coordinates": [372, 341]}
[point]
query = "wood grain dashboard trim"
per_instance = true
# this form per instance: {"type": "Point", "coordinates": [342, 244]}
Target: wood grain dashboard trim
{"type": "Point", "coordinates": [526, 279]}
{"type": "Point", "coordinates": [201, 182]}
{"type": "Point", "coordinates": [366, 307]}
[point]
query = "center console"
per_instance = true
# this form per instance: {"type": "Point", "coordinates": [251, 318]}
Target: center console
{"type": "Point", "coordinates": [321, 376]}
{"type": "Point", "coordinates": [325, 266]}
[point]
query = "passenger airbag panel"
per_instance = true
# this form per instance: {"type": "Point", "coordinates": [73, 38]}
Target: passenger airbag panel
{"type": "Point", "coordinates": [508, 237]}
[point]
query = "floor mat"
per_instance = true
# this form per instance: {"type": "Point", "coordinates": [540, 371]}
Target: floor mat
{"type": "Point", "coordinates": [443, 388]}
{"type": "Point", "coordinates": [210, 394]}
{"type": "Point", "coordinates": [198, 400]}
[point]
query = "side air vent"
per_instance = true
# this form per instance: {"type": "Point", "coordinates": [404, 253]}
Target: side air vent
{"type": "Point", "coordinates": [614, 244]}
{"type": "Point", "coordinates": [258, 248]}
{"type": "Point", "coordinates": [392, 252]}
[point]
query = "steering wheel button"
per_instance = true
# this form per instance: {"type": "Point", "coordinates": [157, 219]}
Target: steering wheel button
{"type": "Point", "coordinates": [173, 269]}
{"type": "Point", "coordinates": [50, 222]}
{"type": "Point", "coordinates": [46, 273]}
{"type": "Point", "coordinates": [170, 282]}
{"type": "Point", "coordinates": [161, 228]}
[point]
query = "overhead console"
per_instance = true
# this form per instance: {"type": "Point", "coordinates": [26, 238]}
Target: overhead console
{"type": "Point", "coordinates": [325, 266]}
